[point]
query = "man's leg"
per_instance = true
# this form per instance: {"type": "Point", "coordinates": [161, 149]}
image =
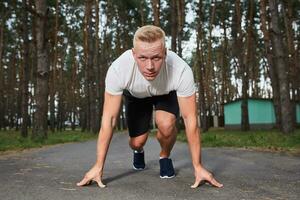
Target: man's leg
{"type": "Point", "coordinates": [167, 131]}
{"type": "Point", "coordinates": [167, 110]}
{"type": "Point", "coordinates": [137, 143]}
{"type": "Point", "coordinates": [138, 116]}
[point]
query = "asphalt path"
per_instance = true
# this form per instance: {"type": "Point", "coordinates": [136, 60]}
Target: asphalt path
{"type": "Point", "coordinates": [52, 173]}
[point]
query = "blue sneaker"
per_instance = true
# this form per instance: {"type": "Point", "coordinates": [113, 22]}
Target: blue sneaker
{"type": "Point", "coordinates": [138, 160]}
{"type": "Point", "coordinates": [166, 168]}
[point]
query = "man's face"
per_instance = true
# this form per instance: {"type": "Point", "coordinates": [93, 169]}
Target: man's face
{"type": "Point", "coordinates": [149, 57]}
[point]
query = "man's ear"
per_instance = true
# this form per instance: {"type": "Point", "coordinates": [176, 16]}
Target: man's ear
{"type": "Point", "coordinates": [133, 53]}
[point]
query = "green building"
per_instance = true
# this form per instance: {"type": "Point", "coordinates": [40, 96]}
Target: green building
{"type": "Point", "coordinates": [261, 114]}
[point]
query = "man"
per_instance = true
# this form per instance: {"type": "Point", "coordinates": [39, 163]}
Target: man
{"type": "Point", "coordinates": [149, 75]}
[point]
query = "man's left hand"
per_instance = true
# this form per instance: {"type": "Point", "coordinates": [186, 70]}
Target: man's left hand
{"type": "Point", "coordinates": [201, 174]}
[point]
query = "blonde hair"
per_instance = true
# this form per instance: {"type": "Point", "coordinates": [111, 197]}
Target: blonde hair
{"type": "Point", "coordinates": [149, 33]}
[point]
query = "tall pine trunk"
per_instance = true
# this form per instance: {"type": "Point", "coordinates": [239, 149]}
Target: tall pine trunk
{"type": "Point", "coordinates": [200, 70]}
{"type": "Point", "coordinates": [246, 65]}
{"type": "Point", "coordinates": [97, 70]}
{"type": "Point", "coordinates": [156, 11]}
{"type": "Point", "coordinates": [269, 55]}
{"type": "Point", "coordinates": [25, 72]}
{"type": "Point", "coordinates": [287, 124]}
{"type": "Point", "coordinates": [2, 109]}
{"type": "Point", "coordinates": [292, 62]}
{"type": "Point", "coordinates": [243, 69]}
{"type": "Point", "coordinates": [90, 72]}
{"type": "Point", "coordinates": [41, 90]}
{"type": "Point", "coordinates": [225, 94]}
{"type": "Point", "coordinates": [208, 82]}
{"type": "Point", "coordinates": [180, 4]}
{"type": "Point", "coordinates": [174, 25]}
{"type": "Point", "coordinates": [54, 66]}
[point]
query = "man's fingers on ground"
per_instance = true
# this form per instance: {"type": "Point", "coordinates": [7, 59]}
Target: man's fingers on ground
{"type": "Point", "coordinates": [99, 182]}
{"type": "Point", "coordinates": [215, 183]}
{"type": "Point", "coordinates": [196, 184]}
{"type": "Point", "coordinates": [84, 181]}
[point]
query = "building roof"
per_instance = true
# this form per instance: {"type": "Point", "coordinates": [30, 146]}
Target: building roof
{"type": "Point", "coordinates": [253, 98]}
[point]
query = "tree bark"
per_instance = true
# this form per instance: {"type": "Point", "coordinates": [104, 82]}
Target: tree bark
{"type": "Point", "coordinates": [53, 74]}
{"type": "Point", "coordinates": [201, 71]}
{"type": "Point", "coordinates": [26, 70]}
{"type": "Point", "coordinates": [10, 103]}
{"type": "Point", "coordinates": [292, 62]}
{"type": "Point", "coordinates": [243, 69]}
{"type": "Point", "coordinates": [180, 4]}
{"type": "Point", "coordinates": [61, 107]}
{"type": "Point", "coordinates": [156, 11]}
{"type": "Point", "coordinates": [87, 68]}
{"type": "Point", "coordinates": [2, 109]}
{"type": "Point", "coordinates": [208, 82]}
{"type": "Point", "coordinates": [142, 13]}
{"type": "Point", "coordinates": [272, 71]}
{"type": "Point", "coordinates": [287, 124]}
{"type": "Point", "coordinates": [41, 95]}
{"type": "Point", "coordinates": [75, 86]}
{"type": "Point", "coordinates": [90, 72]}
{"type": "Point", "coordinates": [33, 77]}
{"type": "Point", "coordinates": [174, 25]}
{"type": "Point", "coordinates": [97, 69]}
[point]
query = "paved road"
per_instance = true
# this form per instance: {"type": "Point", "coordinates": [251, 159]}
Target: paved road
{"type": "Point", "coordinates": [51, 173]}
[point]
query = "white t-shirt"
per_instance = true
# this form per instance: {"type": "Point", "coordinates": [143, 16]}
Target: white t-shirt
{"type": "Point", "coordinates": [175, 74]}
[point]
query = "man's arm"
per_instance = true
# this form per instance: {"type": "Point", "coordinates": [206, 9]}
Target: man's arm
{"type": "Point", "coordinates": [188, 111]}
{"type": "Point", "coordinates": [109, 117]}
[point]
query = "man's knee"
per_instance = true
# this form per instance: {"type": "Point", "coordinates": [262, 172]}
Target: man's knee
{"type": "Point", "coordinates": [137, 143]}
{"type": "Point", "coordinates": [166, 127]}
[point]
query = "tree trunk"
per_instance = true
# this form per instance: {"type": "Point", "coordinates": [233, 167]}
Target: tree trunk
{"type": "Point", "coordinates": [53, 74]}
{"type": "Point", "coordinates": [41, 95]}
{"type": "Point", "coordinates": [226, 92]}
{"type": "Point", "coordinates": [11, 93]}
{"type": "Point", "coordinates": [174, 25]}
{"type": "Point", "coordinates": [142, 13]}
{"type": "Point", "coordinates": [61, 107]}
{"type": "Point", "coordinates": [180, 4]}
{"type": "Point", "coordinates": [87, 17]}
{"type": "Point", "coordinates": [200, 71]}
{"type": "Point", "coordinates": [287, 124]}
{"type": "Point", "coordinates": [243, 68]}
{"type": "Point", "coordinates": [272, 71]}
{"type": "Point", "coordinates": [156, 11]}
{"type": "Point", "coordinates": [33, 77]}
{"type": "Point", "coordinates": [26, 71]}
{"type": "Point", "coordinates": [98, 71]}
{"type": "Point", "coordinates": [75, 86]}
{"type": "Point", "coordinates": [2, 110]}
{"type": "Point", "coordinates": [90, 73]}
{"type": "Point", "coordinates": [208, 82]}
{"type": "Point", "coordinates": [292, 62]}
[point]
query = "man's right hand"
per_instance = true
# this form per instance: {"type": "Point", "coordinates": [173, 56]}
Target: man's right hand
{"type": "Point", "coordinates": [95, 174]}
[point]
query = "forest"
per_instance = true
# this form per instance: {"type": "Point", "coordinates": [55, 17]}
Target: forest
{"type": "Point", "coordinates": [54, 55]}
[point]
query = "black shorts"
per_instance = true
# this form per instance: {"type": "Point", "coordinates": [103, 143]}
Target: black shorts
{"type": "Point", "coordinates": [139, 110]}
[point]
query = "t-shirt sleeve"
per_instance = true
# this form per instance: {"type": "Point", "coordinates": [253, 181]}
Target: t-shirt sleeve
{"type": "Point", "coordinates": [113, 84]}
{"type": "Point", "coordinates": [186, 86]}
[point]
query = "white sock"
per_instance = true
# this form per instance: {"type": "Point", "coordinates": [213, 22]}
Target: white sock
{"type": "Point", "coordinates": [162, 157]}
{"type": "Point", "coordinates": [139, 151]}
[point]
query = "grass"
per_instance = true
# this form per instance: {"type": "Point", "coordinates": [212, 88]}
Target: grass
{"type": "Point", "coordinates": [265, 140]}
{"type": "Point", "coordinates": [11, 140]}
{"type": "Point", "coordinates": [271, 140]}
